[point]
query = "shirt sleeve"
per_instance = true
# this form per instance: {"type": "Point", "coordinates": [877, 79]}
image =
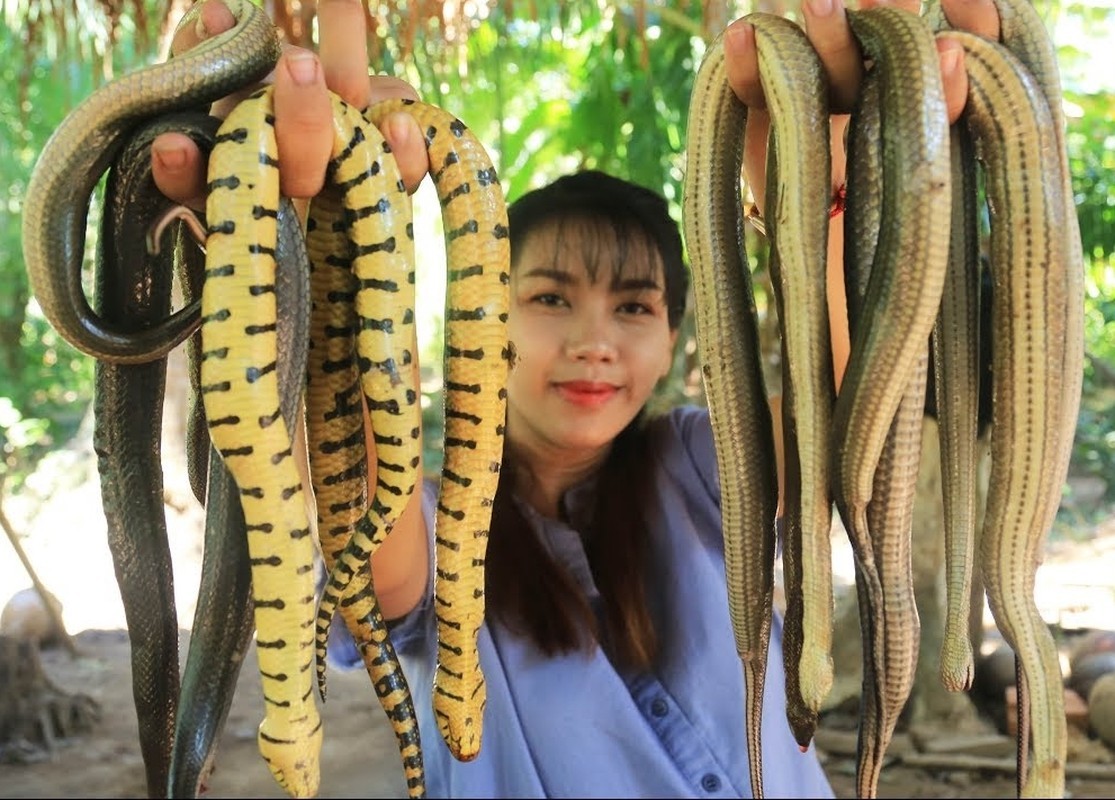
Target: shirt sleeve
{"type": "Point", "coordinates": [689, 448]}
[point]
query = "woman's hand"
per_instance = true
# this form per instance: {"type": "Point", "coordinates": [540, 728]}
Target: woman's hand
{"type": "Point", "coordinates": [827, 28]}
{"type": "Point", "coordinates": [303, 116]}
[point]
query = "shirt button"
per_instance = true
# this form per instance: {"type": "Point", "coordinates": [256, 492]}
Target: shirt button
{"type": "Point", "coordinates": [659, 707]}
{"type": "Point", "coordinates": [710, 783]}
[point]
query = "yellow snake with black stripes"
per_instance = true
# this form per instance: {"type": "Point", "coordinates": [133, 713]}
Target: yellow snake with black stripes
{"type": "Point", "coordinates": [239, 386]}
{"type": "Point", "coordinates": [363, 350]}
{"type": "Point", "coordinates": [371, 237]}
{"type": "Point", "coordinates": [478, 357]}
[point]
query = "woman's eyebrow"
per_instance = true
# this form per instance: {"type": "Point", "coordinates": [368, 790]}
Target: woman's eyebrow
{"type": "Point", "coordinates": [549, 273]}
{"type": "Point", "coordinates": [630, 284]}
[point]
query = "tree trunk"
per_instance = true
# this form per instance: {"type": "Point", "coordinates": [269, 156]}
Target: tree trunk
{"type": "Point", "coordinates": [34, 713]}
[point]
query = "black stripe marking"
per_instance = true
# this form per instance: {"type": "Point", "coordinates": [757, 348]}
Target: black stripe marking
{"type": "Point", "coordinates": [253, 374]}
{"type": "Point", "coordinates": [469, 227]}
{"type": "Point", "coordinates": [465, 314]}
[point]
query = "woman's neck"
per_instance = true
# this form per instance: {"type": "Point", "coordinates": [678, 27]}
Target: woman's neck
{"type": "Point", "coordinates": [541, 480]}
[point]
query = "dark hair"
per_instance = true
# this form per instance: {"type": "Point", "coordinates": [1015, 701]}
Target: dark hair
{"type": "Point", "coordinates": [622, 226]}
{"type": "Point", "coordinates": [613, 216]}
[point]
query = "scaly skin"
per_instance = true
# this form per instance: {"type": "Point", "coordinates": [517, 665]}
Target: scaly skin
{"type": "Point", "coordinates": [955, 345]}
{"type": "Point", "coordinates": [477, 361]}
{"type": "Point", "coordinates": [239, 385]}
{"type": "Point", "coordinates": [76, 155]}
{"type": "Point", "coordinates": [354, 267]}
{"type": "Point", "coordinates": [1034, 353]}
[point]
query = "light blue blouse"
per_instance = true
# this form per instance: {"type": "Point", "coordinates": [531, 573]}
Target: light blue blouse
{"type": "Point", "coordinates": [574, 726]}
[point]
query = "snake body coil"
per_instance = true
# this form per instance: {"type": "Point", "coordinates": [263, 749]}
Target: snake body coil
{"type": "Point", "coordinates": [477, 360]}
{"type": "Point", "coordinates": [76, 155]}
{"type": "Point", "coordinates": [363, 349]}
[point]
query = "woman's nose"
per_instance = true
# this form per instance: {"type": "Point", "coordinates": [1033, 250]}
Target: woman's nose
{"type": "Point", "coordinates": [590, 341]}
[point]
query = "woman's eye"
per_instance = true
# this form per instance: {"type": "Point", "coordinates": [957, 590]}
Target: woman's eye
{"type": "Point", "coordinates": [634, 307]}
{"type": "Point", "coordinates": [548, 299]}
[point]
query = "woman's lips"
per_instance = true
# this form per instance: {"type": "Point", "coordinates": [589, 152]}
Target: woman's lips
{"type": "Point", "coordinates": [587, 394]}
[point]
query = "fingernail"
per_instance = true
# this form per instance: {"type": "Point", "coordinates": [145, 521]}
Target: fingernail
{"type": "Point", "coordinates": [302, 68]}
{"type": "Point", "coordinates": [819, 8]}
{"type": "Point", "coordinates": [171, 158]}
{"type": "Point", "coordinates": [396, 128]}
{"type": "Point", "coordinates": [200, 31]}
{"type": "Point", "coordinates": [950, 59]}
{"type": "Point", "coordinates": [738, 39]}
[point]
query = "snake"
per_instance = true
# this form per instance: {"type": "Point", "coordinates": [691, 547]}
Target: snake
{"type": "Point", "coordinates": [223, 622]}
{"type": "Point", "coordinates": [797, 230]}
{"type": "Point", "coordinates": [728, 344]}
{"type": "Point", "coordinates": [362, 350]}
{"type": "Point", "coordinates": [76, 155]}
{"type": "Point", "coordinates": [955, 347]}
{"type": "Point", "coordinates": [240, 391]}
{"type": "Point", "coordinates": [894, 293]}
{"type": "Point", "coordinates": [477, 360]}
{"type": "Point", "coordinates": [1034, 352]}
{"type": "Point", "coordinates": [133, 290]}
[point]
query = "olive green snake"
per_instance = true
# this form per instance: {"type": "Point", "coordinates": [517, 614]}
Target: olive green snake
{"type": "Point", "coordinates": [896, 280]}
{"type": "Point", "coordinates": [79, 151]}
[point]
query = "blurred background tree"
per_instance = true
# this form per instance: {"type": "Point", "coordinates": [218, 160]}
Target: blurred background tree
{"type": "Point", "coordinates": [549, 86]}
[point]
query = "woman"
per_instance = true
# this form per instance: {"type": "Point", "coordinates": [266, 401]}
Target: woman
{"type": "Point", "coordinates": [609, 662]}
{"type": "Point", "coordinates": [608, 654]}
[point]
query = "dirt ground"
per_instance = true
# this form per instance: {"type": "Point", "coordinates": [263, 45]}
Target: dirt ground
{"type": "Point", "coordinates": [63, 530]}
{"type": "Point", "coordinates": [359, 757]}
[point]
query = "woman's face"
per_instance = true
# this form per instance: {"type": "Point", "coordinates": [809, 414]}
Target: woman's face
{"type": "Point", "coordinates": [589, 346]}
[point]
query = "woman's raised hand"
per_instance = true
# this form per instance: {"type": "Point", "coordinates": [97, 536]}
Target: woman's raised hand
{"type": "Point", "coordinates": [303, 117]}
{"type": "Point", "coordinates": [827, 27]}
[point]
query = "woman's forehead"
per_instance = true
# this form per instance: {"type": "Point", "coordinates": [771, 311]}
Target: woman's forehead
{"type": "Point", "coordinates": [599, 249]}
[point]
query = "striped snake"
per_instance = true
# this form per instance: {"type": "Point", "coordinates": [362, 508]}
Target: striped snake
{"type": "Point", "coordinates": [79, 151]}
{"type": "Point", "coordinates": [239, 362]}
{"type": "Point", "coordinates": [902, 286]}
{"type": "Point", "coordinates": [731, 366]}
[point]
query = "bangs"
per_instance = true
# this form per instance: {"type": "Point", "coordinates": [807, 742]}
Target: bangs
{"type": "Point", "coordinates": [612, 248]}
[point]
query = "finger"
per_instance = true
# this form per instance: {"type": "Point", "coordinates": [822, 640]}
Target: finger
{"type": "Point", "coordinates": [400, 130]}
{"type": "Point", "coordinates": [178, 168]}
{"type": "Point", "coordinates": [977, 16]}
{"type": "Point", "coordinates": [913, 6]}
{"type": "Point", "coordinates": [741, 63]}
{"type": "Point", "coordinates": [406, 141]}
{"type": "Point", "coordinates": [202, 21]}
{"type": "Point", "coordinates": [755, 137]}
{"type": "Point", "coordinates": [953, 76]}
{"type": "Point", "coordinates": [303, 123]}
{"type": "Point", "coordinates": [827, 27]}
{"type": "Point", "coordinates": [344, 49]}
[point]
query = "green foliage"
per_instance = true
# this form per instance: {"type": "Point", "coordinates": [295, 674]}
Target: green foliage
{"type": "Point", "coordinates": [45, 385]}
{"type": "Point", "coordinates": [1084, 31]}
{"type": "Point", "coordinates": [549, 87]}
